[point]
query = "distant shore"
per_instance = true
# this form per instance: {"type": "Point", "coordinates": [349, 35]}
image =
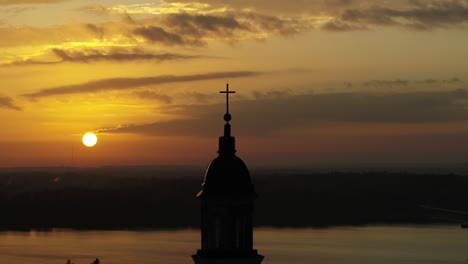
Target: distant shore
{"type": "Point", "coordinates": [110, 199]}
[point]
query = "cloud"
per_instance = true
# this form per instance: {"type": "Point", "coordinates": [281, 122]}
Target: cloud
{"type": "Point", "coordinates": [272, 93]}
{"type": "Point", "coordinates": [276, 6]}
{"type": "Point", "coordinates": [419, 15]}
{"type": "Point", "coordinates": [182, 29]}
{"type": "Point", "coordinates": [113, 55]}
{"type": "Point", "coordinates": [340, 26]}
{"type": "Point", "coordinates": [155, 34]}
{"type": "Point", "coordinates": [405, 83]}
{"type": "Point", "coordinates": [99, 31]}
{"type": "Point", "coordinates": [119, 55]}
{"type": "Point", "coordinates": [22, 2]}
{"type": "Point", "coordinates": [196, 29]}
{"type": "Point", "coordinates": [60, 35]}
{"type": "Point", "coordinates": [198, 25]}
{"type": "Point", "coordinates": [275, 114]}
{"type": "Point", "coordinates": [386, 83]}
{"type": "Point", "coordinates": [131, 83]}
{"type": "Point", "coordinates": [7, 102]}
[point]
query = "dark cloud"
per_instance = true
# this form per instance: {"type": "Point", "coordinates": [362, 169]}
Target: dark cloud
{"type": "Point", "coordinates": [279, 6]}
{"type": "Point", "coordinates": [452, 80]}
{"type": "Point", "coordinates": [386, 83]}
{"type": "Point", "coordinates": [270, 115]}
{"type": "Point", "coordinates": [7, 102]}
{"type": "Point", "coordinates": [404, 83]}
{"type": "Point", "coordinates": [156, 96]}
{"type": "Point", "coordinates": [156, 34]}
{"type": "Point", "coordinates": [340, 26]}
{"type": "Point", "coordinates": [272, 93]}
{"type": "Point", "coordinates": [195, 29]}
{"type": "Point", "coordinates": [274, 24]}
{"type": "Point", "coordinates": [115, 55]}
{"type": "Point", "coordinates": [131, 83]}
{"type": "Point", "coordinates": [98, 30]}
{"type": "Point", "coordinates": [419, 15]}
{"type": "Point", "coordinates": [181, 29]}
{"type": "Point", "coordinates": [198, 25]}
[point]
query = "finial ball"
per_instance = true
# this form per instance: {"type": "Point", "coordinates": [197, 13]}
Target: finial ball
{"type": "Point", "coordinates": [227, 117]}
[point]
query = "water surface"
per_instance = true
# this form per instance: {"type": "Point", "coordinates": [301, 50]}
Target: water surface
{"type": "Point", "coordinates": [351, 245]}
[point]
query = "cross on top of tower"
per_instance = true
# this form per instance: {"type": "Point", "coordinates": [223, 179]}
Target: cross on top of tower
{"type": "Point", "coordinates": [227, 116]}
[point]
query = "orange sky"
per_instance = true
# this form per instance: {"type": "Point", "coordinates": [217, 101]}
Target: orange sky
{"type": "Point", "coordinates": [319, 83]}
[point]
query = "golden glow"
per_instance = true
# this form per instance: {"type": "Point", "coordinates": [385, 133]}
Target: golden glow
{"type": "Point", "coordinates": [89, 139]}
{"type": "Point", "coordinates": [166, 8]}
{"type": "Point", "coordinates": [88, 48]}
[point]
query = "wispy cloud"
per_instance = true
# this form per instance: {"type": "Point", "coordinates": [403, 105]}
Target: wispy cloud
{"type": "Point", "coordinates": [166, 7]}
{"type": "Point", "coordinates": [155, 34]}
{"type": "Point", "coordinates": [187, 29]}
{"type": "Point", "coordinates": [98, 30]}
{"type": "Point", "coordinates": [196, 29]}
{"type": "Point", "coordinates": [272, 93]}
{"type": "Point", "coordinates": [70, 34]}
{"type": "Point", "coordinates": [118, 55]}
{"type": "Point", "coordinates": [404, 83]}
{"type": "Point", "coordinates": [419, 15]}
{"type": "Point", "coordinates": [274, 114]}
{"type": "Point", "coordinates": [336, 25]}
{"type": "Point", "coordinates": [132, 83]}
{"type": "Point", "coordinates": [8, 102]}
{"type": "Point", "coordinates": [270, 6]}
{"type": "Point", "coordinates": [102, 55]}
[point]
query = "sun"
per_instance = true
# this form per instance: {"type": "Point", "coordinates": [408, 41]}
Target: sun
{"type": "Point", "coordinates": [89, 139]}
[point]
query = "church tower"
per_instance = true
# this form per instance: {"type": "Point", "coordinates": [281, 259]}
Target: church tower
{"type": "Point", "coordinates": [227, 204]}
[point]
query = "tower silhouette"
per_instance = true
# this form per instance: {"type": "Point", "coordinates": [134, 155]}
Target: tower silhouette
{"type": "Point", "coordinates": [227, 205]}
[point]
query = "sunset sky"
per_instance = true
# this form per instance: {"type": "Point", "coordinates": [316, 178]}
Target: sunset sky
{"type": "Point", "coordinates": [319, 83]}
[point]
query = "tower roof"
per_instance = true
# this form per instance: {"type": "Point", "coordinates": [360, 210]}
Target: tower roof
{"type": "Point", "coordinates": [227, 175]}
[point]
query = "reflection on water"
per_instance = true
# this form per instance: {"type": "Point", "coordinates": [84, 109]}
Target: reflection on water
{"type": "Point", "coordinates": [351, 245]}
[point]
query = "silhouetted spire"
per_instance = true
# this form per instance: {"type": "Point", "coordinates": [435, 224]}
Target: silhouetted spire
{"type": "Point", "coordinates": [227, 143]}
{"type": "Point", "coordinates": [226, 201]}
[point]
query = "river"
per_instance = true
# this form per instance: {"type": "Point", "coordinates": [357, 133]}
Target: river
{"type": "Point", "coordinates": [350, 245]}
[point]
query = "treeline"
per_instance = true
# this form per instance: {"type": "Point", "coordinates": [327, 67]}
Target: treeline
{"type": "Point", "coordinates": [166, 199]}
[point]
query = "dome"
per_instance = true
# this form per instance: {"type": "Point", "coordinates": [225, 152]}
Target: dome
{"type": "Point", "coordinates": [227, 175]}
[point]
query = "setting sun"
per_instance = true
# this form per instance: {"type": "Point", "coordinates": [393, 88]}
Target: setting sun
{"type": "Point", "coordinates": [89, 139]}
